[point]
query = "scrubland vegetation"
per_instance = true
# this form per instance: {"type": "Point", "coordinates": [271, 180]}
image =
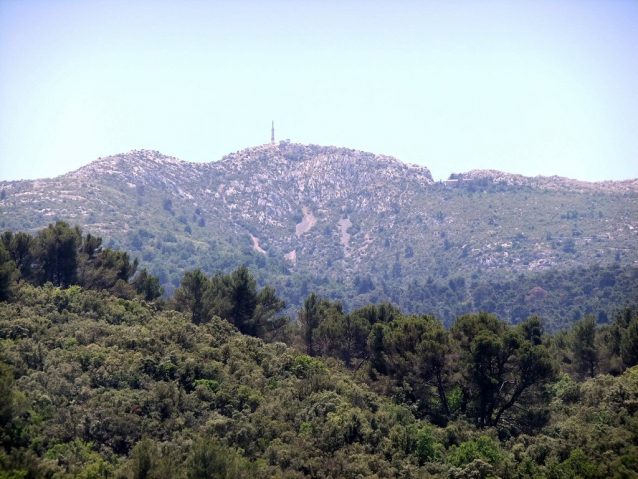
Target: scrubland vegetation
{"type": "Point", "coordinates": [103, 377]}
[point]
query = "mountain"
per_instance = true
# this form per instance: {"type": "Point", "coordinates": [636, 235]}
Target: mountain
{"type": "Point", "coordinates": [351, 225]}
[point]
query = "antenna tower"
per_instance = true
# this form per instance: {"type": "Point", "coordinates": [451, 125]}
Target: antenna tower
{"type": "Point", "coordinates": [272, 133]}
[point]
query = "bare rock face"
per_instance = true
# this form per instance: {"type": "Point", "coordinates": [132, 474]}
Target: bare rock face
{"type": "Point", "coordinates": [276, 179]}
{"type": "Point", "coordinates": [144, 168]}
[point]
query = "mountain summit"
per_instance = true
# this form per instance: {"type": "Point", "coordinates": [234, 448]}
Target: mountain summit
{"type": "Point", "coordinates": [306, 171]}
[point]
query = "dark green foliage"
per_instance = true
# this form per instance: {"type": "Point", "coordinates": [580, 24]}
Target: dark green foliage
{"type": "Point", "coordinates": [21, 250]}
{"type": "Point", "coordinates": [584, 346]}
{"type": "Point", "coordinates": [148, 285]}
{"type": "Point", "coordinates": [8, 274]}
{"type": "Point", "coordinates": [209, 460]}
{"type": "Point", "coordinates": [233, 297]}
{"type": "Point", "coordinates": [533, 330]}
{"type": "Point", "coordinates": [309, 320]}
{"type": "Point", "coordinates": [190, 296]}
{"type": "Point", "coordinates": [60, 255]}
{"type": "Point", "coordinates": [242, 294]}
{"type": "Point", "coordinates": [11, 408]}
{"type": "Point", "coordinates": [326, 329]}
{"type": "Point", "coordinates": [624, 337]}
{"type": "Point", "coordinates": [105, 268]}
{"type": "Point", "coordinates": [57, 253]}
{"type": "Point", "coordinates": [483, 368]}
{"type": "Point", "coordinates": [503, 368]}
{"type": "Point", "coordinates": [100, 383]}
{"type": "Point", "coordinates": [143, 458]}
{"type": "Point", "coordinates": [576, 466]}
{"type": "Point", "coordinates": [556, 296]}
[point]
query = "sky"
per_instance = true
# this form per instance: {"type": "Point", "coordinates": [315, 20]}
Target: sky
{"type": "Point", "coordinates": [530, 87]}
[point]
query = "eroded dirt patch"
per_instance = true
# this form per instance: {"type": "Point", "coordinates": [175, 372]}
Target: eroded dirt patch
{"type": "Point", "coordinates": [256, 246]}
{"type": "Point", "coordinates": [306, 223]}
{"type": "Point", "coordinates": [344, 224]}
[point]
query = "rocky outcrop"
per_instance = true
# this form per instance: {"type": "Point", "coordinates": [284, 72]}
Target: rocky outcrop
{"type": "Point", "coordinates": [552, 182]}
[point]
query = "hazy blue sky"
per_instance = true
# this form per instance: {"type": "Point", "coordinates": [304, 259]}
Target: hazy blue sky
{"type": "Point", "coordinates": [530, 87]}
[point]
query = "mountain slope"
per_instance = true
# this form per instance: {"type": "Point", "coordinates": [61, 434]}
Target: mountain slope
{"type": "Point", "coordinates": [353, 225]}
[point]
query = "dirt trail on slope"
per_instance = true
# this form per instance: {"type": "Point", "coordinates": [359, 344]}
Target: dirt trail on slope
{"type": "Point", "coordinates": [307, 222]}
{"type": "Point", "coordinates": [344, 224]}
{"type": "Point", "coordinates": [256, 246]}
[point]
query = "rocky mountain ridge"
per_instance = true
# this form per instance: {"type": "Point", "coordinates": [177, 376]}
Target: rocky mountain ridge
{"type": "Point", "coordinates": [553, 182]}
{"type": "Point", "coordinates": [315, 162]}
{"type": "Point", "coordinates": [360, 226]}
{"type": "Point", "coordinates": [141, 168]}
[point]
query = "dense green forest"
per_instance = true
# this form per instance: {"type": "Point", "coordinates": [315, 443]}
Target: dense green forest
{"type": "Point", "coordinates": [101, 376]}
{"type": "Point", "coordinates": [558, 296]}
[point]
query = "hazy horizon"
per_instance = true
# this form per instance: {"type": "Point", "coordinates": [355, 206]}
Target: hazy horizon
{"type": "Point", "coordinates": [526, 87]}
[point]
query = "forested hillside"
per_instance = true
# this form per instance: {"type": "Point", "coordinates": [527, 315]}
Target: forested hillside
{"type": "Point", "coordinates": [354, 226]}
{"type": "Point", "coordinates": [103, 378]}
{"type": "Point", "coordinates": [558, 296]}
